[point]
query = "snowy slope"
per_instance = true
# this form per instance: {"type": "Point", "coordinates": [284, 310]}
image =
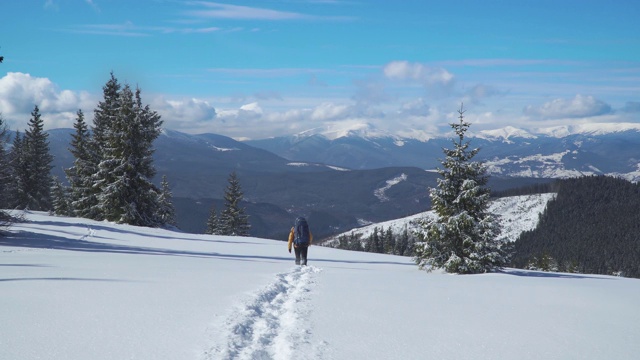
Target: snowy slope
{"type": "Point", "coordinates": [517, 214]}
{"type": "Point", "coordinates": [77, 289]}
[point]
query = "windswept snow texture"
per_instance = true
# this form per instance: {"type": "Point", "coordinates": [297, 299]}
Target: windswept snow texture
{"type": "Point", "coordinates": [76, 289]}
{"type": "Point", "coordinates": [380, 193]}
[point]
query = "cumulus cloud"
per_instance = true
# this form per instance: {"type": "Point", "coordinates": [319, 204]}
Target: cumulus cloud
{"type": "Point", "coordinates": [330, 111]}
{"type": "Point", "coordinates": [20, 93]}
{"type": "Point", "coordinates": [185, 110]}
{"type": "Point", "coordinates": [578, 107]}
{"type": "Point", "coordinates": [404, 70]}
{"type": "Point", "coordinates": [436, 81]}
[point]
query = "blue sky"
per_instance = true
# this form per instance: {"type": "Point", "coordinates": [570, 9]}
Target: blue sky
{"type": "Point", "coordinates": [255, 69]}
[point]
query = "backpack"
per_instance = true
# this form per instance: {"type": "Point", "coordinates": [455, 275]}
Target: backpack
{"type": "Point", "coordinates": [301, 232]}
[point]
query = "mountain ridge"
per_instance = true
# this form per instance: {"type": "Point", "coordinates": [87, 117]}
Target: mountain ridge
{"type": "Point", "coordinates": [554, 152]}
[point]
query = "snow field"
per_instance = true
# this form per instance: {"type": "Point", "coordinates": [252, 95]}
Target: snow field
{"type": "Point", "coordinates": [74, 289]}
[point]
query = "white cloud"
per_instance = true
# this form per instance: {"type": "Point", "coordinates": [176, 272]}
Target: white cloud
{"type": "Point", "coordinates": [20, 93]}
{"type": "Point", "coordinates": [186, 110]}
{"type": "Point", "coordinates": [404, 70]}
{"type": "Point", "coordinates": [437, 81]}
{"type": "Point", "coordinates": [578, 107]}
{"type": "Point", "coordinates": [329, 111]}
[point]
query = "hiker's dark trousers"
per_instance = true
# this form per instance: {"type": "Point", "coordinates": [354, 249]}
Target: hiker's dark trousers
{"type": "Point", "coordinates": [301, 254]}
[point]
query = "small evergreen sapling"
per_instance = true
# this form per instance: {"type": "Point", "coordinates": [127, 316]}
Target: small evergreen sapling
{"type": "Point", "coordinates": [166, 210]}
{"type": "Point", "coordinates": [213, 222]}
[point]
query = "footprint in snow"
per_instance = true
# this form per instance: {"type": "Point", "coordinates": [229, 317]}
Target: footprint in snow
{"type": "Point", "coordinates": [274, 323]}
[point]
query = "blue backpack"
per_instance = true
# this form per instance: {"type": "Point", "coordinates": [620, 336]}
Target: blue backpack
{"type": "Point", "coordinates": [301, 232]}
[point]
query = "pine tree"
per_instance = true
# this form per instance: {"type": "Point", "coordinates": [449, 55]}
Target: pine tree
{"type": "Point", "coordinates": [83, 198]}
{"type": "Point", "coordinates": [5, 167]}
{"type": "Point", "coordinates": [403, 243]}
{"type": "Point", "coordinates": [464, 237]}
{"type": "Point", "coordinates": [19, 173]}
{"type": "Point", "coordinates": [388, 241]}
{"type": "Point", "coordinates": [233, 220]}
{"type": "Point", "coordinates": [213, 222]}
{"type": "Point", "coordinates": [104, 117]}
{"type": "Point", "coordinates": [60, 198]}
{"type": "Point", "coordinates": [124, 173]}
{"type": "Point", "coordinates": [105, 114]}
{"type": "Point", "coordinates": [166, 212]}
{"type": "Point", "coordinates": [37, 161]}
{"type": "Point", "coordinates": [6, 188]}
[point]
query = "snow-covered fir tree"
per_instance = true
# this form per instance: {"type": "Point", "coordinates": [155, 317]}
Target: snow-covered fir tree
{"type": "Point", "coordinates": [104, 117]}
{"type": "Point", "coordinates": [35, 166]}
{"type": "Point", "coordinates": [105, 114]}
{"type": "Point", "coordinates": [6, 179]}
{"type": "Point", "coordinates": [83, 197]}
{"type": "Point", "coordinates": [5, 167]}
{"type": "Point", "coordinates": [464, 237]}
{"type": "Point", "coordinates": [17, 194]}
{"type": "Point", "coordinates": [166, 212]}
{"type": "Point", "coordinates": [388, 241]}
{"type": "Point", "coordinates": [126, 168]}
{"type": "Point", "coordinates": [213, 222]}
{"type": "Point", "coordinates": [233, 220]}
{"type": "Point", "coordinates": [60, 199]}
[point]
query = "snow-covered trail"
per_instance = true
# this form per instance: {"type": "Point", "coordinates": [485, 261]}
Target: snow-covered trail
{"type": "Point", "coordinates": [273, 323]}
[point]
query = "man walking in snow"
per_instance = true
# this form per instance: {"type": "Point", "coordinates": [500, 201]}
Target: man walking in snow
{"type": "Point", "coordinates": [300, 237]}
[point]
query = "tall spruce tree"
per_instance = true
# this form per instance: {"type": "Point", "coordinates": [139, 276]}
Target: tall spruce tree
{"type": "Point", "coordinates": [233, 220]}
{"type": "Point", "coordinates": [5, 168]}
{"type": "Point", "coordinates": [105, 114]}
{"type": "Point", "coordinates": [37, 158]}
{"type": "Point", "coordinates": [19, 172]}
{"type": "Point", "coordinates": [83, 197]}
{"type": "Point", "coordinates": [124, 173]}
{"type": "Point", "coordinates": [464, 237]}
{"type": "Point", "coordinates": [6, 219]}
{"type": "Point", "coordinates": [104, 117]}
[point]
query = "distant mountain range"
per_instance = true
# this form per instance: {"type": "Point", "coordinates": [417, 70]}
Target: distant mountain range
{"type": "Point", "coordinates": [342, 179]}
{"type": "Point", "coordinates": [558, 152]}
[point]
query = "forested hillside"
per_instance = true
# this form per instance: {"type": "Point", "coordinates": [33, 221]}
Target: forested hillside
{"type": "Point", "coordinates": [592, 226]}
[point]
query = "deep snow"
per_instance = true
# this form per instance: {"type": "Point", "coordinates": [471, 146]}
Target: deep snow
{"type": "Point", "coordinates": [76, 289]}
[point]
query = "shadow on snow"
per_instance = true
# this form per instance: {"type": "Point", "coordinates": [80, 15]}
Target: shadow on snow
{"type": "Point", "coordinates": [40, 241]}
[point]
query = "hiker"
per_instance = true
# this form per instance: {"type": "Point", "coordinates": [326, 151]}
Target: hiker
{"type": "Point", "coordinates": [301, 238]}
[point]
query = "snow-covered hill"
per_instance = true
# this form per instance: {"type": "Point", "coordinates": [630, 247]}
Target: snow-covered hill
{"type": "Point", "coordinates": [76, 289]}
{"type": "Point", "coordinates": [517, 214]}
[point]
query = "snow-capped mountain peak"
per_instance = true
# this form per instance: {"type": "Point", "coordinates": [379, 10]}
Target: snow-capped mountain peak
{"type": "Point", "coordinates": [588, 129]}
{"type": "Point", "coordinates": [504, 134]}
{"type": "Point", "coordinates": [348, 129]}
